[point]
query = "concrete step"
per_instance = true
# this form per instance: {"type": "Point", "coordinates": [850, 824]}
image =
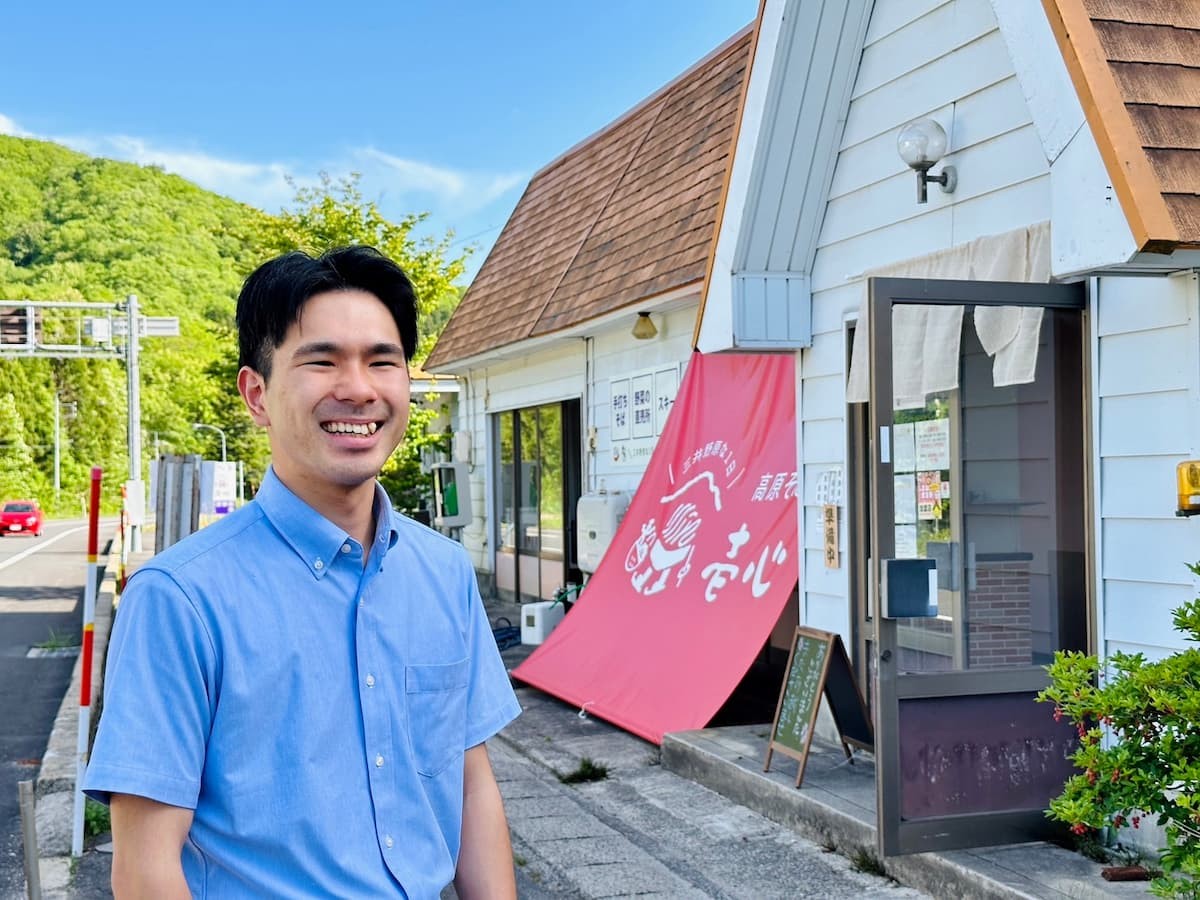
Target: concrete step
{"type": "Point", "coordinates": [835, 807]}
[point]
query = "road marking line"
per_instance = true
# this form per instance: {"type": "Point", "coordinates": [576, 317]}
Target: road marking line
{"type": "Point", "coordinates": [64, 605]}
{"type": "Point", "coordinates": [42, 546]}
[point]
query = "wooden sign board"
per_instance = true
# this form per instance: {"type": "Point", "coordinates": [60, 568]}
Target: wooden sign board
{"type": "Point", "coordinates": [817, 666]}
{"type": "Point", "coordinates": [829, 531]}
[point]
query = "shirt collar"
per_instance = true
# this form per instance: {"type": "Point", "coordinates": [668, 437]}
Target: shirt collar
{"type": "Point", "coordinates": [316, 540]}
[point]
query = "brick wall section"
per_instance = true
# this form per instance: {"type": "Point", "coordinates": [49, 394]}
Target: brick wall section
{"type": "Point", "coordinates": [998, 619]}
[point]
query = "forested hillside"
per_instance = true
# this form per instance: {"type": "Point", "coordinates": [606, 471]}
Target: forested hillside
{"type": "Point", "coordinates": [76, 228]}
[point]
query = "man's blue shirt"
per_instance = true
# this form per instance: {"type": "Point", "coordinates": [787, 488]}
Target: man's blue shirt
{"type": "Point", "coordinates": [312, 711]}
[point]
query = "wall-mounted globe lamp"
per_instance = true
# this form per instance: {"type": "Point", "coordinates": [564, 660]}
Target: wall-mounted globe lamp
{"type": "Point", "coordinates": [921, 144]}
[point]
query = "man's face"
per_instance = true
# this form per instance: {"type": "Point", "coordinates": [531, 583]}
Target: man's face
{"type": "Point", "coordinates": [336, 404]}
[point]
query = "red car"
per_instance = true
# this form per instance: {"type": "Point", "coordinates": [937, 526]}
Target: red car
{"type": "Point", "coordinates": [21, 516]}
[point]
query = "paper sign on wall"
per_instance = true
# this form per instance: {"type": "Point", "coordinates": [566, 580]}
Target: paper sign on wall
{"type": "Point", "coordinates": [666, 386]}
{"type": "Point", "coordinates": [906, 448]}
{"type": "Point", "coordinates": [639, 406]}
{"type": "Point", "coordinates": [905, 494]}
{"type": "Point", "coordinates": [929, 495]}
{"type": "Point", "coordinates": [933, 444]}
{"type": "Point", "coordinates": [619, 407]}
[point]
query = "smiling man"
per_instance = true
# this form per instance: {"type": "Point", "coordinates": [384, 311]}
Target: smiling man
{"type": "Point", "coordinates": [297, 697]}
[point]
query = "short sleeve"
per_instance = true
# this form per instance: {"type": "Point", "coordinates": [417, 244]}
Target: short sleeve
{"type": "Point", "coordinates": [491, 703]}
{"type": "Point", "coordinates": [159, 697]}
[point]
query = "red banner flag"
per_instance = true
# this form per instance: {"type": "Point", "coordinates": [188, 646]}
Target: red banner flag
{"type": "Point", "coordinates": [702, 564]}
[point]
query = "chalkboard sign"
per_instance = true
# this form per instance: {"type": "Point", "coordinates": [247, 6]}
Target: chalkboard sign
{"type": "Point", "coordinates": [817, 665]}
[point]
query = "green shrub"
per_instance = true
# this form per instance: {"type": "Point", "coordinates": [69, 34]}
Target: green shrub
{"type": "Point", "coordinates": [95, 818]}
{"type": "Point", "coordinates": [1151, 764]}
{"type": "Point", "coordinates": [587, 770]}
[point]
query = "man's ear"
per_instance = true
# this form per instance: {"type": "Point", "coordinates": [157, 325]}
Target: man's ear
{"type": "Point", "coordinates": [253, 388]}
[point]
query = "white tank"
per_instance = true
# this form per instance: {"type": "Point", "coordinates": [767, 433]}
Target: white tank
{"type": "Point", "coordinates": [597, 516]}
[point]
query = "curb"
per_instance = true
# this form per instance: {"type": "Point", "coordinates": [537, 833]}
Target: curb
{"type": "Point", "coordinates": [55, 785]}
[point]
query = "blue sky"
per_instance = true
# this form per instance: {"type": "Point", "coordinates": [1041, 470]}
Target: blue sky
{"type": "Point", "coordinates": [446, 107]}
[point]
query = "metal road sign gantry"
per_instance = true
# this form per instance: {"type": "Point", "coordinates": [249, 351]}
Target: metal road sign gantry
{"type": "Point", "coordinates": [68, 329]}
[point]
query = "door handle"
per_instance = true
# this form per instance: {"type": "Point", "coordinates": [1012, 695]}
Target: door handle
{"type": "Point", "coordinates": [885, 655]}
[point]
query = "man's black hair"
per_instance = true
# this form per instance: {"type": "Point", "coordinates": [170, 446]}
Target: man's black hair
{"type": "Point", "coordinates": [274, 294]}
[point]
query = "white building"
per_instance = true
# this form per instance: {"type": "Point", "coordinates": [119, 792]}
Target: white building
{"type": "Point", "coordinates": [559, 397]}
{"type": "Point", "coordinates": [1000, 377]}
{"type": "Point", "coordinates": [1039, 472]}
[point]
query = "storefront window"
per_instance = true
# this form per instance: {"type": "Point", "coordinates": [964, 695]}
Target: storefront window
{"type": "Point", "coordinates": [538, 475]}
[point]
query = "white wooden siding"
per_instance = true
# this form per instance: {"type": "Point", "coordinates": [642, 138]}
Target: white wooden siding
{"type": "Point", "coordinates": [996, 109]}
{"type": "Point", "coordinates": [1145, 424]}
{"type": "Point", "coordinates": [615, 355]}
{"type": "Point", "coordinates": [887, 18]}
{"type": "Point", "coordinates": [957, 73]}
{"type": "Point", "coordinates": [563, 371]}
{"type": "Point", "coordinates": [824, 442]}
{"type": "Point", "coordinates": [1165, 359]}
{"type": "Point", "coordinates": [1137, 609]}
{"type": "Point", "coordinates": [1138, 487]}
{"type": "Point", "coordinates": [889, 56]}
{"type": "Point", "coordinates": [945, 60]}
{"type": "Point", "coordinates": [1148, 385]}
{"type": "Point", "coordinates": [1128, 308]}
{"type": "Point", "coordinates": [554, 373]}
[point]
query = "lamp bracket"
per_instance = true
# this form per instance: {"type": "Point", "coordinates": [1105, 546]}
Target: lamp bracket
{"type": "Point", "coordinates": [947, 179]}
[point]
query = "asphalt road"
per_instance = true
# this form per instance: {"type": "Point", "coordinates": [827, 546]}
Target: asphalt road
{"type": "Point", "coordinates": [41, 601]}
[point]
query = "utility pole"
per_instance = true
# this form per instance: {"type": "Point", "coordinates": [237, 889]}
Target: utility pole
{"type": "Point", "coordinates": [136, 492]}
{"type": "Point", "coordinates": [57, 481]}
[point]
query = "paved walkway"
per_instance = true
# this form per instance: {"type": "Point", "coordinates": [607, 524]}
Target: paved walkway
{"type": "Point", "coordinates": [650, 829]}
{"type": "Point", "coordinates": [645, 831]}
{"type": "Point", "coordinates": [640, 831]}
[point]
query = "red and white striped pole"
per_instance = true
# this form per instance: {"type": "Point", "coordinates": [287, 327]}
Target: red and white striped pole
{"type": "Point", "coordinates": [89, 634]}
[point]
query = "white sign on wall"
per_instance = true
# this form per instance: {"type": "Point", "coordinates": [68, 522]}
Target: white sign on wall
{"type": "Point", "coordinates": [619, 408]}
{"type": "Point", "coordinates": [932, 444]}
{"type": "Point", "coordinates": [643, 406]}
{"type": "Point", "coordinates": [639, 405]}
{"type": "Point", "coordinates": [666, 386]}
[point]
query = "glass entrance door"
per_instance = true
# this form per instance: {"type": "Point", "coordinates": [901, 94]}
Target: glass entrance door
{"type": "Point", "coordinates": [976, 425]}
{"type": "Point", "coordinates": [537, 487]}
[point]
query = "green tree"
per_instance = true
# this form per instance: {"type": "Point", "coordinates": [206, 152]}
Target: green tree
{"type": "Point", "coordinates": [75, 228]}
{"type": "Point", "coordinates": [337, 215]}
{"type": "Point", "coordinates": [1151, 767]}
{"type": "Point", "coordinates": [18, 476]}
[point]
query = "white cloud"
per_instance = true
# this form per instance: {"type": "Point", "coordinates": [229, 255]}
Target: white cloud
{"type": "Point", "coordinates": [467, 201]}
{"type": "Point", "coordinates": [8, 126]}
{"type": "Point", "coordinates": [453, 191]}
{"type": "Point", "coordinates": [393, 181]}
{"type": "Point", "coordinates": [259, 184]}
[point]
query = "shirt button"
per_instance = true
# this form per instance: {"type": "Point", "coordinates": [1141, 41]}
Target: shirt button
{"type": "Point", "coordinates": [345, 548]}
{"type": "Point", "coordinates": [378, 762]}
{"type": "Point", "coordinates": [370, 681]}
{"type": "Point", "coordinates": [388, 841]}
{"type": "Point", "coordinates": [318, 565]}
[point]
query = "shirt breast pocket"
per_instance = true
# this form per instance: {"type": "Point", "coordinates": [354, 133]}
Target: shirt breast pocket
{"type": "Point", "coordinates": [437, 714]}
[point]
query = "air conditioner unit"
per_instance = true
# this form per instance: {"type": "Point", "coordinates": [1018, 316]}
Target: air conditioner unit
{"type": "Point", "coordinates": [597, 517]}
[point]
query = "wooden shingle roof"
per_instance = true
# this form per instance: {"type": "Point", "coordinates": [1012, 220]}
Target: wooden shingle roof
{"type": "Point", "coordinates": [1136, 67]}
{"type": "Point", "coordinates": [624, 216]}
